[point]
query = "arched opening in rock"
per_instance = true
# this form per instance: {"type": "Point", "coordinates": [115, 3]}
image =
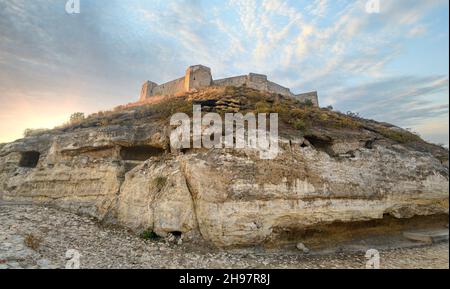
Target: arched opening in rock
{"type": "Point", "coordinates": [140, 153]}
{"type": "Point", "coordinates": [176, 234]}
{"type": "Point", "coordinates": [29, 159]}
{"type": "Point", "coordinates": [338, 234]}
{"type": "Point", "coordinates": [322, 144]}
{"type": "Point", "coordinates": [186, 150]}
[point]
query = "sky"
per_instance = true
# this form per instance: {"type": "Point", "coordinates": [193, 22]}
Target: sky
{"type": "Point", "coordinates": [390, 65]}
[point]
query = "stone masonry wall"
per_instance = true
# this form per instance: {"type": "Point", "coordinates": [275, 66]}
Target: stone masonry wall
{"type": "Point", "coordinates": [199, 76]}
{"type": "Point", "coordinates": [276, 88]}
{"type": "Point", "coordinates": [311, 96]}
{"type": "Point", "coordinates": [170, 88]}
{"type": "Point", "coordinates": [231, 81]}
{"type": "Point", "coordinates": [256, 81]}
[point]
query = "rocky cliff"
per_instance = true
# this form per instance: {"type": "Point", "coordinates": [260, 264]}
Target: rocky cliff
{"type": "Point", "coordinates": [331, 169]}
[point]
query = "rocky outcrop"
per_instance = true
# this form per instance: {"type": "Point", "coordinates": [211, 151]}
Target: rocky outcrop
{"type": "Point", "coordinates": [243, 200]}
{"type": "Point", "coordinates": [155, 195]}
{"type": "Point", "coordinates": [127, 175]}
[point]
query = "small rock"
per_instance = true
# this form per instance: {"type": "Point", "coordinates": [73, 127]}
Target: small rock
{"type": "Point", "coordinates": [43, 263]}
{"type": "Point", "coordinates": [14, 265]}
{"type": "Point", "coordinates": [170, 238]}
{"type": "Point", "coordinates": [303, 248]}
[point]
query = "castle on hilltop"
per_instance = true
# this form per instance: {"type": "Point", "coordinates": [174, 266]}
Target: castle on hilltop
{"type": "Point", "coordinates": [199, 76]}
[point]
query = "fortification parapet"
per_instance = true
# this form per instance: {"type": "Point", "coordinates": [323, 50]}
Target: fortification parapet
{"type": "Point", "coordinates": [258, 81]}
{"type": "Point", "coordinates": [147, 90]}
{"type": "Point", "coordinates": [309, 96]}
{"type": "Point", "coordinates": [199, 76]}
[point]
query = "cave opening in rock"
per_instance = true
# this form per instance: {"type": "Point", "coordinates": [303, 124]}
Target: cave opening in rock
{"type": "Point", "coordinates": [338, 233]}
{"type": "Point", "coordinates": [140, 153]}
{"type": "Point", "coordinates": [185, 150]}
{"type": "Point", "coordinates": [29, 159]}
{"type": "Point", "coordinates": [176, 234]}
{"type": "Point", "coordinates": [321, 144]}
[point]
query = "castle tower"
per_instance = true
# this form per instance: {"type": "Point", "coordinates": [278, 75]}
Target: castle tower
{"type": "Point", "coordinates": [197, 76]}
{"type": "Point", "coordinates": [309, 96]}
{"type": "Point", "coordinates": [147, 90]}
{"type": "Point", "coordinates": [257, 81]}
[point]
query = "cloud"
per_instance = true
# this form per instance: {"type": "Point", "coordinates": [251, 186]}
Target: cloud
{"type": "Point", "coordinates": [101, 56]}
{"type": "Point", "coordinates": [418, 103]}
{"type": "Point", "coordinates": [417, 31]}
{"type": "Point", "coordinates": [402, 100]}
{"type": "Point", "coordinates": [318, 8]}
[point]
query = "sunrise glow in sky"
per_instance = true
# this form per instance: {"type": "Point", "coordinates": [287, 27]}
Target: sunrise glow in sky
{"type": "Point", "coordinates": [390, 66]}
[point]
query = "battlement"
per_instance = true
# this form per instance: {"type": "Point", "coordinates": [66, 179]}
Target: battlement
{"type": "Point", "coordinates": [199, 76]}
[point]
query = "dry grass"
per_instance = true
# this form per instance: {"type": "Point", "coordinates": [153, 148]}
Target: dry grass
{"type": "Point", "coordinates": [34, 131]}
{"type": "Point", "coordinates": [32, 241]}
{"type": "Point", "coordinates": [297, 115]}
{"type": "Point", "coordinates": [292, 113]}
{"type": "Point", "coordinates": [398, 136]}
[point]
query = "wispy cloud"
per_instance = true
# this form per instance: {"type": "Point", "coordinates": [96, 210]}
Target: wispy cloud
{"type": "Point", "coordinates": [99, 58]}
{"type": "Point", "coordinates": [318, 8]}
{"type": "Point", "coordinates": [401, 100]}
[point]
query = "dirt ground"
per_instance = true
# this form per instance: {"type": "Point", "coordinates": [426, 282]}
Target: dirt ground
{"type": "Point", "coordinates": [39, 237]}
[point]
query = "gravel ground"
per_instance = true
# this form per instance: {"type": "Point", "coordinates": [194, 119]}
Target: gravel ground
{"type": "Point", "coordinates": [38, 237]}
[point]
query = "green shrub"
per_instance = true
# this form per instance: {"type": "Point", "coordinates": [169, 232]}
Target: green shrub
{"type": "Point", "coordinates": [77, 117]}
{"type": "Point", "coordinates": [160, 182]}
{"type": "Point", "coordinates": [149, 235]}
{"type": "Point", "coordinates": [308, 103]}
{"type": "Point", "coordinates": [300, 124]}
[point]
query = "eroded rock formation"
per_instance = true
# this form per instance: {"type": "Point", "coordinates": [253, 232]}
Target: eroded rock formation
{"type": "Point", "coordinates": [126, 174]}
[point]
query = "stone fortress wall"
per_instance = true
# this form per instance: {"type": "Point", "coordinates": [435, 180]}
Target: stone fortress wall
{"type": "Point", "coordinates": [200, 76]}
{"type": "Point", "coordinates": [256, 81]}
{"type": "Point", "coordinates": [309, 96]}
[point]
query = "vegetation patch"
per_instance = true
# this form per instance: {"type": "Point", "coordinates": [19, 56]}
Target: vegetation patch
{"type": "Point", "coordinates": [149, 235]}
{"type": "Point", "coordinates": [32, 241]}
{"type": "Point", "coordinates": [292, 113]}
{"type": "Point", "coordinates": [400, 136]}
{"type": "Point", "coordinates": [160, 182]}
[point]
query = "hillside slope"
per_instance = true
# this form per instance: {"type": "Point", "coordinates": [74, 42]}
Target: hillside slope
{"type": "Point", "coordinates": [332, 169]}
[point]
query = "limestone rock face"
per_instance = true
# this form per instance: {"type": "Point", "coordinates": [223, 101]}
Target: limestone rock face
{"type": "Point", "coordinates": [127, 175]}
{"type": "Point", "coordinates": [80, 171]}
{"type": "Point", "coordinates": [240, 199]}
{"type": "Point", "coordinates": [155, 195]}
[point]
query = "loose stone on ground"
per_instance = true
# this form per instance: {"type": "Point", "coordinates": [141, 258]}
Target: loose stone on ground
{"type": "Point", "coordinates": [116, 248]}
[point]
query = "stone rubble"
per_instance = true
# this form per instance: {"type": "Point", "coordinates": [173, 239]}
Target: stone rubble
{"type": "Point", "coordinates": [102, 247]}
{"type": "Point", "coordinates": [303, 248]}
